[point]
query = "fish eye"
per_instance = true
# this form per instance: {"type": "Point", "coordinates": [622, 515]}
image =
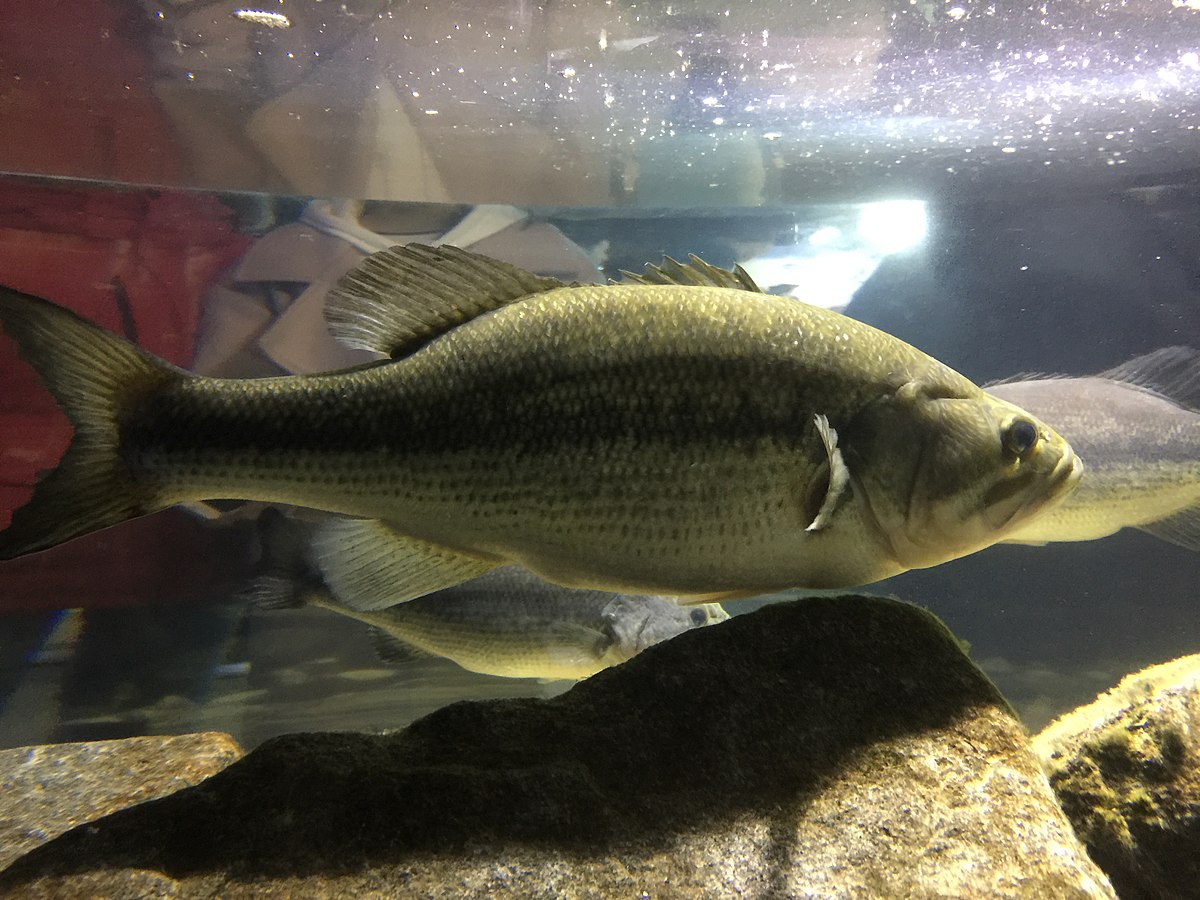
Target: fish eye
{"type": "Point", "coordinates": [699, 617]}
{"type": "Point", "coordinates": [1020, 437]}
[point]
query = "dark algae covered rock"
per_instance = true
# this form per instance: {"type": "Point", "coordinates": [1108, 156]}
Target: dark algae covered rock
{"type": "Point", "coordinates": [827, 747]}
{"type": "Point", "coordinates": [1126, 769]}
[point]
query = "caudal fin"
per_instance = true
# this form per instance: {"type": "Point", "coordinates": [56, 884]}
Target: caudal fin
{"type": "Point", "coordinates": [285, 577]}
{"type": "Point", "coordinates": [92, 374]}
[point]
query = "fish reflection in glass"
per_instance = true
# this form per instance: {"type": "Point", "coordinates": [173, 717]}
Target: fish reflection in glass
{"type": "Point", "coordinates": [508, 622]}
{"type": "Point", "coordinates": [1137, 428]}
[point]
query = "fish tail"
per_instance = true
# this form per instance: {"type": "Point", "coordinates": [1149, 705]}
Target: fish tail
{"type": "Point", "coordinates": [272, 591]}
{"type": "Point", "coordinates": [93, 376]}
{"type": "Point", "coordinates": [283, 568]}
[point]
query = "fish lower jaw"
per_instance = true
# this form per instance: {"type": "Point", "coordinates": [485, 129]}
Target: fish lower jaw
{"type": "Point", "coordinates": [1063, 480]}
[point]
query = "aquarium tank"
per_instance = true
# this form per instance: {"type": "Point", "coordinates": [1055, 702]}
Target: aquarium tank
{"type": "Point", "coordinates": [1011, 188]}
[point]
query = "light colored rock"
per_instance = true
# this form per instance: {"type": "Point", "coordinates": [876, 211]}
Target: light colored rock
{"type": "Point", "coordinates": [832, 747]}
{"type": "Point", "coordinates": [1126, 769]}
{"type": "Point", "coordinates": [50, 789]}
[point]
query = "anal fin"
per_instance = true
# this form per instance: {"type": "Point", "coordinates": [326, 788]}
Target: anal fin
{"type": "Point", "coordinates": [390, 649]}
{"type": "Point", "coordinates": [1181, 529]}
{"type": "Point", "coordinates": [368, 565]}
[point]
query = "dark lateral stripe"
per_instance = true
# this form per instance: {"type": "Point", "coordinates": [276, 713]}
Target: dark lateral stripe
{"type": "Point", "coordinates": [337, 415]}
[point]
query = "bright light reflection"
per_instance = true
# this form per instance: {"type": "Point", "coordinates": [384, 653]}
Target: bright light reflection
{"type": "Point", "coordinates": [826, 278]}
{"type": "Point", "coordinates": [823, 237]}
{"type": "Point", "coordinates": [893, 226]}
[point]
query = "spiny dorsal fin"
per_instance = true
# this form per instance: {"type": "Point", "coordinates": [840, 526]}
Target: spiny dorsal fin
{"type": "Point", "coordinates": [697, 273]}
{"type": "Point", "coordinates": [398, 299]}
{"type": "Point", "coordinates": [1173, 372]}
{"type": "Point", "coordinates": [1022, 376]}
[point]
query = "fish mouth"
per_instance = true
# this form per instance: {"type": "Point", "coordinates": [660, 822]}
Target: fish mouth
{"type": "Point", "coordinates": [1061, 480]}
{"type": "Point", "coordinates": [1065, 475]}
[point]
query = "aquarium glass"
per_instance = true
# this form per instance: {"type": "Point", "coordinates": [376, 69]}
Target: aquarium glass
{"type": "Point", "coordinates": [1014, 188]}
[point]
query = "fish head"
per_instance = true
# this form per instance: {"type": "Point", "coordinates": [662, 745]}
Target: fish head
{"type": "Point", "coordinates": [636, 623]}
{"type": "Point", "coordinates": [945, 473]}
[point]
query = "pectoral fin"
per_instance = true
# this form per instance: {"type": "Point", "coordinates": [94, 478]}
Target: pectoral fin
{"type": "Point", "coordinates": [570, 642]}
{"type": "Point", "coordinates": [838, 474]}
{"type": "Point", "coordinates": [368, 565]}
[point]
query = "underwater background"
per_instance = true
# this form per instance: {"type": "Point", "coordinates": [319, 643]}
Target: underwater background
{"type": "Point", "coordinates": [1011, 189]}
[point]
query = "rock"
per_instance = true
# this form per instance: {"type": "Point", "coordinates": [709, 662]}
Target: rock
{"type": "Point", "coordinates": [1126, 769]}
{"type": "Point", "coordinates": [831, 747]}
{"type": "Point", "coordinates": [45, 791]}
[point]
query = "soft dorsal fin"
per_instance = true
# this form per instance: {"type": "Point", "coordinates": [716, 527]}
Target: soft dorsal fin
{"type": "Point", "coordinates": [398, 299]}
{"type": "Point", "coordinates": [1173, 372]}
{"type": "Point", "coordinates": [1170, 372]}
{"type": "Point", "coordinates": [697, 273]}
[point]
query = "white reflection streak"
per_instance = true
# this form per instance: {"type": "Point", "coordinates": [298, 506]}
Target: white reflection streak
{"type": "Point", "coordinates": [262, 17]}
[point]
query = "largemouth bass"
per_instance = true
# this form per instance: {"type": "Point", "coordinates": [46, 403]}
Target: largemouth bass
{"type": "Point", "coordinates": [508, 622]}
{"type": "Point", "coordinates": [1137, 426]}
{"type": "Point", "coordinates": [681, 433]}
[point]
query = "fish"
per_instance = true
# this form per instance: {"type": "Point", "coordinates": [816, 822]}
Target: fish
{"type": "Point", "coordinates": [507, 623]}
{"type": "Point", "coordinates": [1137, 427]}
{"type": "Point", "coordinates": [677, 433]}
